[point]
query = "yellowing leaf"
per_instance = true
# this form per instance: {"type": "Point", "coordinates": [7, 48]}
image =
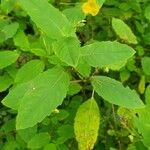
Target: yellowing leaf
{"type": "Point", "coordinates": [141, 86]}
{"type": "Point", "coordinates": [87, 124]}
{"type": "Point", "coordinates": [123, 31]}
{"type": "Point", "coordinates": [91, 7]}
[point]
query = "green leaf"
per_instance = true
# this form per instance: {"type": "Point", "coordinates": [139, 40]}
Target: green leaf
{"type": "Point", "coordinates": [147, 12]}
{"type": "Point", "coordinates": [46, 43]}
{"type": "Point", "coordinates": [74, 88]}
{"type": "Point", "coordinates": [44, 91]}
{"type": "Point", "coordinates": [21, 40]}
{"type": "Point", "coordinates": [114, 92]}
{"type": "Point", "coordinates": [65, 132]}
{"type": "Point", "coordinates": [67, 50]}
{"type": "Point", "coordinates": [62, 114]}
{"type": "Point", "coordinates": [29, 71]}
{"type": "Point", "coordinates": [123, 31]}
{"type": "Point", "coordinates": [50, 146]}
{"type": "Point", "coordinates": [5, 82]}
{"type": "Point", "coordinates": [39, 140]}
{"type": "Point", "coordinates": [7, 58]}
{"type": "Point", "coordinates": [142, 123]}
{"type": "Point", "coordinates": [107, 54]}
{"type": "Point", "coordinates": [56, 61]}
{"type": "Point", "coordinates": [147, 95]}
{"type": "Point", "coordinates": [7, 5]}
{"type": "Point", "coordinates": [101, 2]}
{"type": "Point", "coordinates": [9, 31]}
{"type": "Point", "coordinates": [131, 65]}
{"type": "Point", "coordinates": [12, 100]}
{"type": "Point", "coordinates": [27, 134]}
{"type": "Point", "coordinates": [113, 148]}
{"type": "Point", "coordinates": [11, 144]}
{"type": "Point", "coordinates": [3, 22]}
{"type": "Point", "coordinates": [136, 146]}
{"type": "Point", "coordinates": [12, 70]}
{"type": "Point", "coordinates": [135, 5]}
{"type": "Point", "coordinates": [74, 14]}
{"type": "Point", "coordinates": [86, 124]}
{"type": "Point", "coordinates": [62, 147]}
{"type": "Point", "coordinates": [39, 52]}
{"type": "Point", "coordinates": [83, 68]}
{"type": "Point", "coordinates": [41, 96]}
{"type": "Point", "coordinates": [146, 37]}
{"type": "Point", "coordinates": [146, 65]}
{"type": "Point", "coordinates": [124, 75]}
{"type": "Point", "coordinates": [51, 21]}
{"type": "Point", "coordinates": [8, 126]}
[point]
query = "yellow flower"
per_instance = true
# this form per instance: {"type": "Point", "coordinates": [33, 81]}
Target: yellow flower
{"type": "Point", "coordinates": [91, 7]}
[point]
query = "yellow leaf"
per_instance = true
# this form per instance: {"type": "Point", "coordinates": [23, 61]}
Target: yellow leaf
{"type": "Point", "coordinates": [91, 7]}
{"type": "Point", "coordinates": [141, 86]}
{"type": "Point", "coordinates": [86, 124]}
